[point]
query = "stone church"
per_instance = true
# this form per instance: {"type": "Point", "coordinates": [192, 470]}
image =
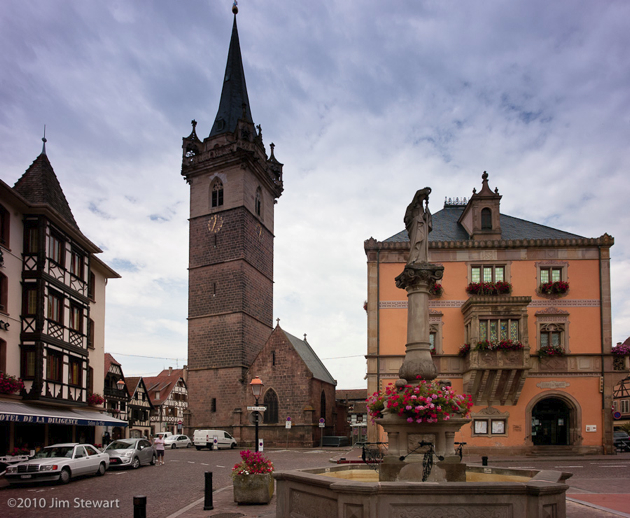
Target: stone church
{"type": "Point", "coordinates": [234, 186]}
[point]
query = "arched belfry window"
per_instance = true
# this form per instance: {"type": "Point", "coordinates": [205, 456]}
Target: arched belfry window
{"type": "Point", "coordinates": [322, 406]}
{"type": "Point", "coordinates": [486, 219]}
{"type": "Point", "coordinates": [217, 193]}
{"type": "Point", "coordinates": [271, 402]}
{"type": "Point", "coordinates": [258, 202]}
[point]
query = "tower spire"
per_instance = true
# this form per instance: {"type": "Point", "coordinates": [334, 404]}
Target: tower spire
{"type": "Point", "coordinates": [234, 103]}
{"type": "Point", "coordinates": [44, 141]}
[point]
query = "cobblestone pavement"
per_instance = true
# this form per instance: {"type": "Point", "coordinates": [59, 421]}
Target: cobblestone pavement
{"type": "Point", "coordinates": [600, 486]}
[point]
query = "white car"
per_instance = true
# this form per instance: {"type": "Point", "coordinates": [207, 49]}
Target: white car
{"type": "Point", "coordinates": [59, 462]}
{"type": "Point", "coordinates": [177, 441]}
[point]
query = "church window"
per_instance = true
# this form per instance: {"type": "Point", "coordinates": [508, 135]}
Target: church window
{"type": "Point", "coordinates": [323, 406]}
{"type": "Point", "coordinates": [273, 357]}
{"type": "Point", "coordinates": [217, 193]}
{"type": "Point", "coordinates": [487, 273]}
{"type": "Point", "coordinates": [213, 405]}
{"type": "Point", "coordinates": [271, 402]}
{"type": "Point", "coordinates": [486, 219]}
{"type": "Point", "coordinates": [258, 201]}
{"type": "Point", "coordinates": [496, 330]}
{"type": "Point", "coordinates": [5, 225]}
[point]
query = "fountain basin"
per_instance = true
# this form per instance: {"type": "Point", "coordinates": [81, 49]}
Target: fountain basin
{"type": "Point", "coordinates": [355, 492]}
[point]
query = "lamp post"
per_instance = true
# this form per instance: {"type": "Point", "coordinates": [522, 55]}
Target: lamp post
{"type": "Point", "coordinates": [257, 388]}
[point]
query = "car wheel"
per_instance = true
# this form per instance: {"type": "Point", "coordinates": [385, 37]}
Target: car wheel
{"type": "Point", "coordinates": [101, 469]}
{"type": "Point", "coordinates": [232, 446]}
{"type": "Point", "coordinates": [135, 463]}
{"type": "Point", "coordinates": [198, 448]}
{"type": "Point", "coordinates": [173, 446]}
{"type": "Point", "coordinates": [189, 445]}
{"type": "Point", "coordinates": [153, 460]}
{"type": "Point", "coordinates": [65, 476]}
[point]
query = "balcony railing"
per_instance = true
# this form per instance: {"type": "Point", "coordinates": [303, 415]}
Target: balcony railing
{"type": "Point", "coordinates": [115, 392]}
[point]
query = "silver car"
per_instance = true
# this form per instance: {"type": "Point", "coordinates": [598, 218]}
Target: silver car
{"type": "Point", "coordinates": [131, 452]}
{"type": "Point", "coordinates": [177, 441]}
{"type": "Point", "coordinates": [59, 462]}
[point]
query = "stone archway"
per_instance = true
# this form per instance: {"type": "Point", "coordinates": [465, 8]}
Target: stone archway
{"type": "Point", "coordinates": [554, 419]}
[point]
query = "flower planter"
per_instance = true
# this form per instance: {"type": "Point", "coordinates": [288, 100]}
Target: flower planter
{"type": "Point", "coordinates": [253, 489]}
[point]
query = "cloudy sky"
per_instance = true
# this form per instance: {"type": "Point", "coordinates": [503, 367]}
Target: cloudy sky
{"type": "Point", "coordinates": [366, 102]}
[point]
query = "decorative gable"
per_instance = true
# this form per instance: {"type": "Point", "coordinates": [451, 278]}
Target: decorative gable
{"type": "Point", "coordinates": [481, 218]}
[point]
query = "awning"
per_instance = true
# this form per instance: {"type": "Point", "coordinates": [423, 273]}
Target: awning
{"type": "Point", "coordinates": [24, 413]}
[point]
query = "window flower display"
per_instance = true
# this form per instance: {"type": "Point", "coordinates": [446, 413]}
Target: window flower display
{"type": "Point", "coordinates": [554, 288]}
{"type": "Point", "coordinates": [10, 384]}
{"type": "Point", "coordinates": [550, 350]}
{"type": "Point", "coordinates": [489, 288]}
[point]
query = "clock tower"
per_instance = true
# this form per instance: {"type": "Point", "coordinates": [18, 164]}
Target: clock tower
{"type": "Point", "coordinates": [234, 186]}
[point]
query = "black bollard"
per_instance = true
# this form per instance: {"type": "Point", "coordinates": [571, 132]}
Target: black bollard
{"type": "Point", "coordinates": [207, 503]}
{"type": "Point", "coordinates": [139, 507]}
{"type": "Point", "coordinates": [484, 461]}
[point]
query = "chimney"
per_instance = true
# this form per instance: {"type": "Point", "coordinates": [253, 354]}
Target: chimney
{"type": "Point", "coordinates": [170, 371]}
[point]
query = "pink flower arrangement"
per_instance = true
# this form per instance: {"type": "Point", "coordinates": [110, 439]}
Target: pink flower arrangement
{"type": "Point", "coordinates": [487, 345]}
{"type": "Point", "coordinates": [20, 451]}
{"type": "Point", "coordinates": [554, 288]}
{"type": "Point", "coordinates": [427, 402]}
{"type": "Point", "coordinates": [95, 399]}
{"type": "Point", "coordinates": [10, 384]}
{"type": "Point", "coordinates": [621, 350]}
{"type": "Point", "coordinates": [489, 288]}
{"type": "Point", "coordinates": [464, 350]}
{"type": "Point", "coordinates": [252, 463]}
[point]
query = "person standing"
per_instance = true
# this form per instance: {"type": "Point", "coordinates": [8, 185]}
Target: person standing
{"type": "Point", "coordinates": [158, 443]}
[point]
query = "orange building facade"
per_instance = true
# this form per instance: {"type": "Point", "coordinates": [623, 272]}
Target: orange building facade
{"type": "Point", "coordinates": [507, 283]}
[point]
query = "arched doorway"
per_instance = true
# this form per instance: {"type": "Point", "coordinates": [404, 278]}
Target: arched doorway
{"type": "Point", "coordinates": [551, 418]}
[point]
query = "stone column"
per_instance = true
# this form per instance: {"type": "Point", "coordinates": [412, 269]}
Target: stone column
{"type": "Point", "coordinates": [417, 279]}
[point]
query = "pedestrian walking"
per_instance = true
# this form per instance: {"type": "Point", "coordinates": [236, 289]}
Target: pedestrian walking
{"type": "Point", "coordinates": [158, 443]}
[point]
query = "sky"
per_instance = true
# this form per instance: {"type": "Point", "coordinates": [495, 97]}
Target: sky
{"type": "Point", "coordinates": [366, 102]}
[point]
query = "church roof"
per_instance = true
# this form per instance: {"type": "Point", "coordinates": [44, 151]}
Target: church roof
{"type": "Point", "coordinates": [446, 227]}
{"type": "Point", "coordinates": [39, 186]}
{"type": "Point", "coordinates": [234, 103]}
{"type": "Point", "coordinates": [311, 359]}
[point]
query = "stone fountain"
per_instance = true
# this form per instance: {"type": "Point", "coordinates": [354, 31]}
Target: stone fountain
{"type": "Point", "coordinates": [404, 458]}
{"type": "Point", "coordinates": [398, 491]}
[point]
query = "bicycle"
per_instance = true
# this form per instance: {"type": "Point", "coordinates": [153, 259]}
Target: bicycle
{"type": "Point", "coordinates": [427, 460]}
{"type": "Point", "coordinates": [460, 450]}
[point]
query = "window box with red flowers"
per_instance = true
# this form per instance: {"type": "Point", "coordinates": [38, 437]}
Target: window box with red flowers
{"type": "Point", "coordinates": [556, 289]}
{"type": "Point", "coordinates": [436, 290]}
{"type": "Point", "coordinates": [10, 384]}
{"type": "Point", "coordinates": [550, 350]}
{"type": "Point", "coordinates": [489, 288]}
{"type": "Point", "coordinates": [95, 400]}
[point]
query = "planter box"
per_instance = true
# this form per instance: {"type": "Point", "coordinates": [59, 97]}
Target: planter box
{"type": "Point", "coordinates": [253, 489]}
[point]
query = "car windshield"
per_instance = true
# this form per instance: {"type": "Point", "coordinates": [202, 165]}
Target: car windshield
{"type": "Point", "coordinates": [59, 451]}
{"type": "Point", "coordinates": [121, 445]}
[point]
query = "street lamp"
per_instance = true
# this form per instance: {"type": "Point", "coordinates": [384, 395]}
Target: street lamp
{"type": "Point", "coordinates": [257, 388]}
{"type": "Point", "coordinates": [120, 384]}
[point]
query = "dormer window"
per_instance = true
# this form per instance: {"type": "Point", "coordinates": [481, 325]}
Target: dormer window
{"type": "Point", "coordinates": [486, 219]}
{"type": "Point", "coordinates": [217, 193]}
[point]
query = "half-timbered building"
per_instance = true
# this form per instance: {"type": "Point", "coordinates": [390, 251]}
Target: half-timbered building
{"type": "Point", "coordinates": [140, 408]}
{"type": "Point", "coordinates": [169, 396]}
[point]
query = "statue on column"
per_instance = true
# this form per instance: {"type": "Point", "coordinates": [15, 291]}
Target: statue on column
{"type": "Point", "coordinates": [419, 223]}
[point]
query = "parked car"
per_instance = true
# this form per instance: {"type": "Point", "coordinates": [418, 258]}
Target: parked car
{"type": "Point", "coordinates": [213, 439]}
{"type": "Point", "coordinates": [59, 462]}
{"type": "Point", "coordinates": [131, 453]}
{"type": "Point", "coordinates": [163, 435]}
{"type": "Point", "coordinates": [177, 441]}
{"type": "Point", "coordinates": [621, 440]}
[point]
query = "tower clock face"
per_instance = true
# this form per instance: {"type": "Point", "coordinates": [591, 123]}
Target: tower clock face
{"type": "Point", "coordinates": [215, 223]}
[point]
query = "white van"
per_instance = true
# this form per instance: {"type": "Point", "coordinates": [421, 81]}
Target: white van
{"type": "Point", "coordinates": [163, 435]}
{"type": "Point", "coordinates": [213, 439]}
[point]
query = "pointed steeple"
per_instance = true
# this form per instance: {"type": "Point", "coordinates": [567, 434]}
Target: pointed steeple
{"type": "Point", "coordinates": [234, 104]}
{"type": "Point", "coordinates": [40, 186]}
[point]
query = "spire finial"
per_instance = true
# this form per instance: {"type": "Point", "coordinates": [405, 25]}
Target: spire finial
{"type": "Point", "coordinates": [235, 7]}
{"type": "Point", "coordinates": [277, 321]}
{"type": "Point", "coordinates": [305, 337]}
{"type": "Point", "coordinates": [44, 141]}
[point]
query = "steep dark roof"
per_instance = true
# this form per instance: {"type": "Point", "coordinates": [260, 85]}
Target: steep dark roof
{"type": "Point", "coordinates": [447, 228]}
{"type": "Point", "coordinates": [311, 359]}
{"type": "Point", "coordinates": [234, 97]}
{"type": "Point", "coordinates": [39, 185]}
